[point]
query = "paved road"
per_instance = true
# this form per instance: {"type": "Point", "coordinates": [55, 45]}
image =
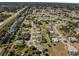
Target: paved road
{"type": "Point", "coordinates": [13, 30]}
{"type": "Point", "coordinates": [15, 26]}
{"type": "Point", "coordinates": [12, 18]}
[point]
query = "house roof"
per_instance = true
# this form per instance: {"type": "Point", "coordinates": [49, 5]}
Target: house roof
{"type": "Point", "coordinates": [55, 39]}
{"type": "Point", "coordinates": [72, 49]}
{"type": "Point", "coordinates": [76, 29]}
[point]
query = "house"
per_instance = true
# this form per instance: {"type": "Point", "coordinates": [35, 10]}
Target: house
{"type": "Point", "coordinates": [37, 32]}
{"type": "Point", "coordinates": [19, 42]}
{"type": "Point", "coordinates": [76, 30]}
{"type": "Point", "coordinates": [72, 50]}
{"type": "Point", "coordinates": [41, 38]}
{"type": "Point", "coordinates": [37, 29]}
{"type": "Point", "coordinates": [55, 40]}
{"type": "Point", "coordinates": [25, 29]}
{"type": "Point", "coordinates": [26, 35]}
{"type": "Point", "coordinates": [73, 39]}
{"type": "Point", "coordinates": [50, 32]}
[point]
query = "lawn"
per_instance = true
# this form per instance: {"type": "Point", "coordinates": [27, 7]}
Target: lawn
{"type": "Point", "coordinates": [45, 34]}
{"type": "Point", "coordinates": [54, 50]}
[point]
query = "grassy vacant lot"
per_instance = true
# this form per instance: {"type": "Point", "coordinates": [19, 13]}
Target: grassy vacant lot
{"type": "Point", "coordinates": [54, 50]}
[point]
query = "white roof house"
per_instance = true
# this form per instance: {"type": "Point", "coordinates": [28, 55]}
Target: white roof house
{"type": "Point", "coordinates": [72, 50]}
{"type": "Point", "coordinates": [37, 29]}
{"type": "Point", "coordinates": [55, 40]}
{"type": "Point", "coordinates": [19, 42]}
{"type": "Point", "coordinates": [37, 32]}
{"type": "Point", "coordinates": [51, 31]}
{"type": "Point", "coordinates": [25, 29]}
{"type": "Point", "coordinates": [73, 39]}
{"type": "Point", "coordinates": [76, 30]}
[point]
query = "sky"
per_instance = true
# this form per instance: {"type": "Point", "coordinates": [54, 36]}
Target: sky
{"type": "Point", "coordinates": [66, 1]}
